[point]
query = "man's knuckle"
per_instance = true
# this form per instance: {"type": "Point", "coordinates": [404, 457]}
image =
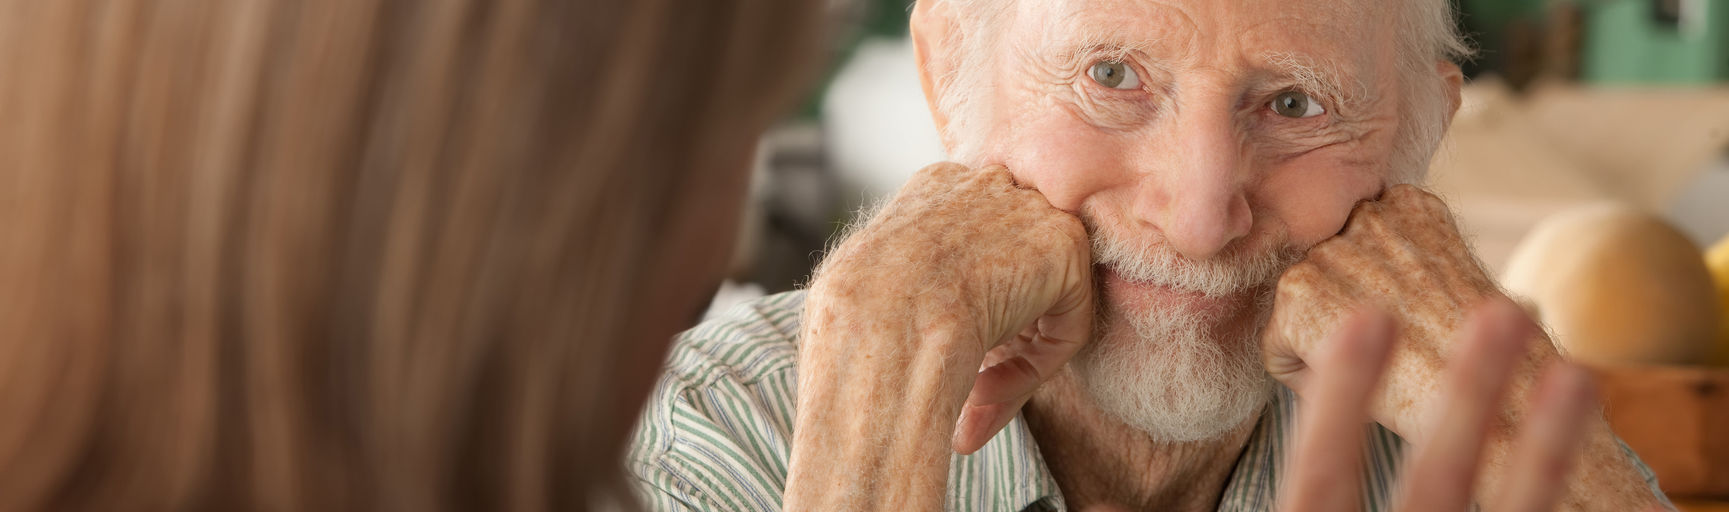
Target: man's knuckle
{"type": "Point", "coordinates": [944, 169]}
{"type": "Point", "coordinates": [1360, 214]}
{"type": "Point", "coordinates": [1298, 276]}
{"type": "Point", "coordinates": [1333, 248]}
{"type": "Point", "coordinates": [1071, 227]}
{"type": "Point", "coordinates": [1438, 210]}
{"type": "Point", "coordinates": [1056, 235]}
{"type": "Point", "coordinates": [1404, 191]}
{"type": "Point", "coordinates": [1286, 294]}
{"type": "Point", "coordinates": [999, 177]}
{"type": "Point", "coordinates": [1416, 198]}
{"type": "Point", "coordinates": [1373, 216]}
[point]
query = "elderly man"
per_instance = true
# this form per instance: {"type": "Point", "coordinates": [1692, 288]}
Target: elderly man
{"type": "Point", "coordinates": [1169, 220]}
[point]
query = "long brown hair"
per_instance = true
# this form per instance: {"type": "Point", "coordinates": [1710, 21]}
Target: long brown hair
{"type": "Point", "coordinates": [344, 254]}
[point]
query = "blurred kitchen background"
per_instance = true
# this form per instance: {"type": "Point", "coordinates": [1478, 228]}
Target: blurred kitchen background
{"type": "Point", "coordinates": [1589, 165]}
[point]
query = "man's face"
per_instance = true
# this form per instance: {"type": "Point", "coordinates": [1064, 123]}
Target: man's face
{"type": "Point", "coordinates": [1207, 144]}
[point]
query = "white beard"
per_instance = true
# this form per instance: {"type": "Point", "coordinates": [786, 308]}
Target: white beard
{"type": "Point", "coordinates": [1178, 375]}
{"type": "Point", "coordinates": [1169, 376]}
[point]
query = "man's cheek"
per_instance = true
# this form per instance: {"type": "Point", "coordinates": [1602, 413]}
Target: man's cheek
{"type": "Point", "coordinates": [1313, 196]}
{"type": "Point", "coordinates": [1069, 164]}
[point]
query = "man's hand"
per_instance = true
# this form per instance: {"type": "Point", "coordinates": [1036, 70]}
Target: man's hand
{"type": "Point", "coordinates": [962, 270]}
{"type": "Point", "coordinates": [1403, 254]}
{"type": "Point", "coordinates": [1440, 475]}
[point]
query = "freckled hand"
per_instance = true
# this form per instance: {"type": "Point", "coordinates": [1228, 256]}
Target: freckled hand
{"type": "Point", "coordinates": [1464, 367]}
{"type": "Point", "coordinates": [963, 294]}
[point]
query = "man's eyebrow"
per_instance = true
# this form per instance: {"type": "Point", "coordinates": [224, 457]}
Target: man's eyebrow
{"type": "Point", "coordinates": [1072, 36]}
{"type": "Point", "coordinates": [1095, 44]}
{"type": "Point", "coordinates": [1321, 77]}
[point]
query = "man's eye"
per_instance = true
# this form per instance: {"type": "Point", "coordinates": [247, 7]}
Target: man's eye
{"type": "Point", "coordinates": [1114, 74]}
{"type": "Point", "coordinates": [1295, 104]}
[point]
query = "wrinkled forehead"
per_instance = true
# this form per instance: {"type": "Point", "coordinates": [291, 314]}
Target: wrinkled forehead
{"type": "Point", "coordinates": [1352, 33]}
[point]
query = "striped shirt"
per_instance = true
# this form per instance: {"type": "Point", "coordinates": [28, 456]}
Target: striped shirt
{"type": "Point", "coordinates": [717, 431]}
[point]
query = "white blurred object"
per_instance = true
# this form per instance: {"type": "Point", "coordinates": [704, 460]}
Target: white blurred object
{"type": "Point", "coordinates": [1643, 144]}
{"type": "Point", "coordinates": [732, 294]}
{"type": "Point", "coordinates": [878, 126]}
{"type": "Point", "coordinates": [1701, 209]}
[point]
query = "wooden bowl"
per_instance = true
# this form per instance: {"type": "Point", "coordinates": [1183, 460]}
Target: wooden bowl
{"type": "Point", "coordinates": [1677, 419]}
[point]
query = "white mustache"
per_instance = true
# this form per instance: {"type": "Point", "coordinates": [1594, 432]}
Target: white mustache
{"type": "Point", "coordinates": [1234, 271]}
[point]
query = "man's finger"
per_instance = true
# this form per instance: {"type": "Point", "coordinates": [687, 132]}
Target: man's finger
{"type": "Point", "coordinates": [1444, 467]}
{"type": "Point", "coordinates": [997, 396]}
{"type": "Point", "coordinates": [1549, 444]}
{"type": "Point", "coordinates": [1016, 366]}
{"type": "Point", "coordinates": [1329, 438]}
{"type": "Point", "coordinates": [1014, 369]}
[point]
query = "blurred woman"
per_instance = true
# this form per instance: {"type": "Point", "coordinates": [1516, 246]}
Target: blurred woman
{"type": "Point", "coordinates": [360, 254]}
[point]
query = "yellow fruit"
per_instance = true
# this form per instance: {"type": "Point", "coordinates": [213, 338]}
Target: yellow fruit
{"type": "Point", "coordinates": [1717, 259]}
{"type": "Point", "coordinates": [1618, 286]}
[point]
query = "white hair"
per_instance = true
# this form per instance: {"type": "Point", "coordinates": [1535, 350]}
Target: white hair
{"type": "Point", "coordinates": [1433, 37]}
{"type": "Point", "coordinates": [962, 93]}
{"type": "Point", "coordinates": [1428, 36]}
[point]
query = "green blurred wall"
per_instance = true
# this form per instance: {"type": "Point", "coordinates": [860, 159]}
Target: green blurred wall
{"type": "Point", "coordinates": [1625, 44]}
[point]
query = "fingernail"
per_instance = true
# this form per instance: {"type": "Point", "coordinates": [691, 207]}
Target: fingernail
{"type": "Point", "coordinates": [960, 424]}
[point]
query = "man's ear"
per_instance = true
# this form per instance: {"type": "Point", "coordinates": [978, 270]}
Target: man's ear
{"type": "Point", "coordinates": [1453, 80]}
{"type": "Point", "coordinates": [932, 23]}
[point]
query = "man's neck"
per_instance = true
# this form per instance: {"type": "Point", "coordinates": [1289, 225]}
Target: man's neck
{"type": "Point", "coordinates": [1098, 460]}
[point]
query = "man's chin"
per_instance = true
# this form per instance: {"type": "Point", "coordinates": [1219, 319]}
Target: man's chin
{"type": "Point", "coordinates": [1179, 367]}
{"type": "Point", "coordinates": [1175, 403]}
{"type": "Point", "coordinates": [1169, 409]}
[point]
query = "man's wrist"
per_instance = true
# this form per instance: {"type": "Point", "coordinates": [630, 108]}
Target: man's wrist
{"type": "Point", "coordinates": [1603, 477]}
{"type": "Point", "coordinates": [847, 308]}
{"type": "Point", "coordinates": [879, 394]}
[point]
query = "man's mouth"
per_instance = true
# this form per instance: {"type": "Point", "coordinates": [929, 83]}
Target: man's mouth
{"type": "Point", "coordinates": [1140, 296]}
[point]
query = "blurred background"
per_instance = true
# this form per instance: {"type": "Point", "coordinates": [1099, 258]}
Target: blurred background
{"type": "Point", "coordinates": [1589, 165]}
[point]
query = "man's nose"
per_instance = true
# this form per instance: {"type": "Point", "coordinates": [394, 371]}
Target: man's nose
{"type": "Point", "coordinates": [1196, 193]}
